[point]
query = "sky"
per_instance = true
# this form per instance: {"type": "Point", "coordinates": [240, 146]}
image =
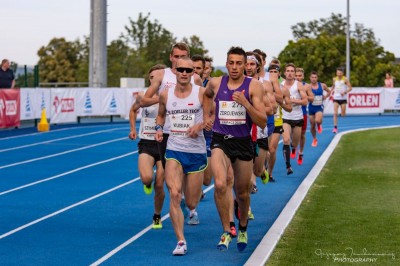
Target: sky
{"type": "Point", "coordinates": [28, 25]}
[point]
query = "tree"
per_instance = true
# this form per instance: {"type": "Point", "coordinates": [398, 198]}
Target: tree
{"type": "Point", "coordinates": [196, 45]}
{"type": "Point", "coordinates": [321, 46]}
{"type": "Point", "coordinates": [59, 60]}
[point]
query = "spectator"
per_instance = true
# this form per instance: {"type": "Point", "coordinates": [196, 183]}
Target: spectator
{"type": "Point", "coordinates": [388, 80]}
{"type": "Point", "coordinates": [7, 79]}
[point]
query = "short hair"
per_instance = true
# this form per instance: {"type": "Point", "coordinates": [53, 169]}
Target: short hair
{"type": "Point", "coordinates": [156, 67]}
{"type": "Point", "coordinates": [257, 57]}
{"type": "Point", "coordinates": [181, 46]}
{"type": "Point", "coordinates": [290, 65]}
{"type": "Point", "coordinates": [275, 61]}
{"type": "Point", "coordinates": [208, 59]}
{"type": "Point", "coordinates": [340, 69]}
{"type": "Point", "coordinates": [198, 57]}
{"type": "Point", "coordinates": [261, 53]}
{"type": "Point", "coordinates": [237, 51]}
{"type": "Point", "coordinates": [299, 69]}
{"type": "Point", "coordinates": [273, 66]}
{"type": "Point", "coordinates": [314, 73]}
{"type": "Point", "coordinates": [4, 61]}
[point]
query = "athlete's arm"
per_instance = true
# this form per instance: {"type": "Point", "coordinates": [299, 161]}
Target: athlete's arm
{"type": "Point", "coordinates": [152, 90]}
{"type": "Point", "coordinates": [256, 110]}
{"type": "Point", "coordinates": [193, 132]}
{"type": "Point", "coordinates": [286, 103]}
{"type": "Point", "coordinates": [162, 110]}
{"type": "Point", "coordinates": [325, 88]}
{"type": "Point", "coordinates": [273, 77]}
{"type": "Point", "coordinates": [270, 95]}
{"type": "Point", "coordinates": [208, 100]}
{"type": "Point", "coordinates": [133, 115]}
{"type": "Point", "coordinates": [310, 94]}
{"type": "Point", "coordinates": [349, 87]}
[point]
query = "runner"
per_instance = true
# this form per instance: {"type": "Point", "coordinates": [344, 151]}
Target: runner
{"type": "Point", "coordinates": [186, 147]}
{"type": "Point", "coordinates": [340, 88]}
{"type": "Point", "coordinates": [310, 97]}
{"type": "Point", "coordinates": [316, 108]}
{"type": "Point", "coordinates": [292, 121]}
{"type": "Point", "coordinates": [239, 103]}
{"type": "Point", "coordinates": [148, 152]}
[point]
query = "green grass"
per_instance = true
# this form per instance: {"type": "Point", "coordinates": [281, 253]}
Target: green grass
{"type": "Point", "coordinates": [353, 204]}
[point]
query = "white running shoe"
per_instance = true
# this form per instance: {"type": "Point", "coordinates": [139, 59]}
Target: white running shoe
{"type": "Point", "coordinates": [180, 249]}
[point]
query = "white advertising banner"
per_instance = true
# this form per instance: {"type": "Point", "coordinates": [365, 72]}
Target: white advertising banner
{"type": "Point", "coordinates": [391, 99]}
{"type": "Point", "coordinates": [89, 102]}
{"type": "Point", "coordinates": [112, 101]}
{"type": "Point", "coordinates": [33, 100]}
{"type": "Point", "coordinates": [360, 101]}
{"type": "Point", "coordinates": [63, 108]}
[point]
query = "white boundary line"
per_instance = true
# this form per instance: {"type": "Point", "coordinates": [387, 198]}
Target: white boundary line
{"type": "Point", "coordinates": [62, 153]}
{"type": "Point", "coordinates": [267, 245]}
{"type": "Point", "coordinates": [67, 208]}
{"type": "Point", "coordinates": [66, 173]}
{"type": "Point", "coordinates": [54, 140]}
{"type": "Point", "coordinates": [133, 238]}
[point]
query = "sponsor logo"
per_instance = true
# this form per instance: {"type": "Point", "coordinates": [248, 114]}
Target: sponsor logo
{"type": "Point", "coordinates": [364, 100]}
{"type": "Point", "coordinates": [64, 105]}
{"type": "Point", "coordinates": [11, 107]}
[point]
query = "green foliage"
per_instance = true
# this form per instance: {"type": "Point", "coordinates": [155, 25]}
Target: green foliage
{"type": "Point", "coordinates": [59, 60]}
{"type": "Point", "coordinates": [217, 73]}
{"type": "Point", "coordinates": [321, 46]}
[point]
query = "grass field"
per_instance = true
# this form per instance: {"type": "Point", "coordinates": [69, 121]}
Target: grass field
{"type": "Point", "coordinates": [351, 214]}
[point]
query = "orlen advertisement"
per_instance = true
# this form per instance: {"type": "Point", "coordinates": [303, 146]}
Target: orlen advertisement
{"type": "Point", "coordinates": [9, 108]}
{"type": "Point", "coordinates": [63, 106]}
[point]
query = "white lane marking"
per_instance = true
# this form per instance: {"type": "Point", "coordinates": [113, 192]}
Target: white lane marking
{"type": "Point", "coordinates": [133, 238]}
{"type": "Point", "coordinates": [54, 140]}
{"type": "Point", "coordinates": [66, 173]}
{"type": "Point", "coordinates": [56, 130]}
{"type": "Point", "coordinates": [66, 208]}
{"type": "Point", "coordinates": [267, 245]}
{"type": "Point", "coordinates": [61, 153]}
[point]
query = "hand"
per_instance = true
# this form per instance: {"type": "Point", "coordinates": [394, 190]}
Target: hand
{"type": "Point", "coordinates": [159, 136]}
{"type": "Point", "coordinates": [240, 98]}
{"type": "Point", "coordinates": [193, 132]}
{"type": "Point", "coordinates": [208, 124]}
{"type": "Point", "coordinates": [132, 135]}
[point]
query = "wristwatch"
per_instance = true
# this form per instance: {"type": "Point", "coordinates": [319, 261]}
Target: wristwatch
{"type": "Point", "coordinates": [158, 127]}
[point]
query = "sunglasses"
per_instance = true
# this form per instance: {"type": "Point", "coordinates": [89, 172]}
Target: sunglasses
{"type": "Point", "coordinates": [184, 69]}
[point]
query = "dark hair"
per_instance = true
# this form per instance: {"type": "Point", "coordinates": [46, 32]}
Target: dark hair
{"type": "Point", "coordinates": [208, 59]}
{"type": "Point", "coordinates": [156, 67]}
{"type": "Point", "coordinates": [314, 73]}
{"type": "Point", "coordinates": [290, 65]}
{"type": "Point", "coordinates": [238, 51]}
{"type": "Point", "coordinates": [261, 53]}
{"type": "Point", "coordinates": [198, 57]}
{"type": "Point", "coordinates": [273, 66]}
{"type": "Point", "coordinates": [258, 58]}
{"type": "Point", "coordinates": [340, 69]}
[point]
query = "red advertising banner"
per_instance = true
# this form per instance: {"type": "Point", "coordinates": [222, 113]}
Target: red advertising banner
{"type": "Point", "coordinates": [9, 108]}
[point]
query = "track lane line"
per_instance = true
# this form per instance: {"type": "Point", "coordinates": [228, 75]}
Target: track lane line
{"type": "Point", "coordinates": [66, 208]}
{"type": "Point", "coordinates": [66, 173]}
{"type": "Point", "coordinates": [54, 140]}
{"type": "Point", "coordinates": [62, 153]}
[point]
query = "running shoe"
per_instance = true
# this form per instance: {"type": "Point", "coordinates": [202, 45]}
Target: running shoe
{"type": "Point", "coordinates": [289, 170]}
{"type": "Point", "coordinates": [242, 240]}
{"type": "Point", "coordinates": [180, 249]}
{"type": "Point", "coordinates": [293, 154]}
{"type": "Point", "coordinates": [148, 189]}
{"type": "Point", "coordinates": [194, 219]}
{"type": "Point", "coordinates": [314, 143]}
{"type": "Point", "coordinates": [224, 242]}
{"type": "Point", "coordinates": [250, 215]}
{"type": "Point", "coordinates": [335, 130]}
{"type": "Point", "coordinates": [319, 128]}
{"type": "Point", "coordinates": [233, 232]}
{"type": "Point", "coordinates": [265, 177]}
{"type": "Point", "coordinates": [300, 159]}
{"type": "Point", "coordinates": [157, 223]}
{"type": "Point", "coordinates": [271, 179]}
{"type": "Point", "coordinates": [184, 208]}
{"type": "Point", "coordinates": [254, 190]}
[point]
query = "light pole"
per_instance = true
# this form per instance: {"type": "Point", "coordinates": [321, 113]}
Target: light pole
{"type": "Point", "coordinates": [348, 41]}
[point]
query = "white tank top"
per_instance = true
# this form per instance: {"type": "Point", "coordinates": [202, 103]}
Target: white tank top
{"type": "Point", "coordinates": [340, 86]}
{"type": "Point", "coordinates": [168, 81]}
{"type": "Point", "coordinates": [184, 113]}
{"type": "Point", "coordinates": [148, 122]}
{"type": "Point", "coordinates": [296, 113]}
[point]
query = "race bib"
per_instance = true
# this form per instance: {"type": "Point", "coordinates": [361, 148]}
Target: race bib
{"type": "Point", "coordinates": [231, 113]}
{"type": "Point", "coordinates": [149, 125]}
{"type": "Point", "coordinates": [180, 123]}
{"type": "Point", "coordinates": [318, 99]}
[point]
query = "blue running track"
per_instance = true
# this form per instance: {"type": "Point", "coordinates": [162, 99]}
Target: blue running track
{"type": "Point", "coordinates": [72, 196]}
